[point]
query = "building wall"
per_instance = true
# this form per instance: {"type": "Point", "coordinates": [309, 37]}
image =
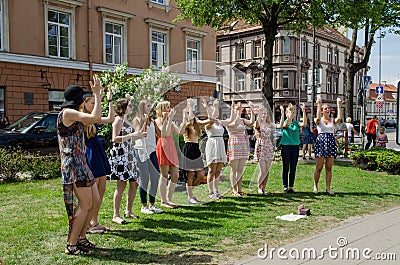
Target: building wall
{"type": "Point", "coordinates": [26, 67]}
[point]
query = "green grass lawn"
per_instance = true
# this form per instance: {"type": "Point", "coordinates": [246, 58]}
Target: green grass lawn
{"type": "Point", "coordinates": [33, 222]}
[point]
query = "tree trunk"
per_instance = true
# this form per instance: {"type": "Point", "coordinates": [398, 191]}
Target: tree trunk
{"type": "Point", "coordinates": [350, 74]}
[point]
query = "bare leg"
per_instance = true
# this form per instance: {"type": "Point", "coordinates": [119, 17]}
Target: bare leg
{"type": "Point", "coordinates": [95, 198]}
{"type": "Point", "coordinates": [133, 185]}
{"type": "Point", "coordinates": [172, 184]}
{"type": "Point", "coordinates": [164, 169]}
{"type": "Point", "coordinates": [263, 175]}
{"type": "Point", "coordinates": [234, 167]}
{"type": "Point", "coordinates": [309, 151]}
{"type": "Point", "coordinates": [239, 176]}
{"type": "Point", "coordinates": [211, 177]}
{"type": "Point", "coordinates": [189, 184]}
{"type": "Point", "coordinates": [101, 186]}
{"type": "Point", "coordinates": [199, 177]}
{"type": "Point", "coordinates": [303, 150]}
{"type": "Point", "coordinates": [118, 196]}
{"type": "Point", "coordinates": [218, 170]}
{"type": "Point", "coordinates": [328, 170]}
{"type": "Point", "coordinates": [319, 165]}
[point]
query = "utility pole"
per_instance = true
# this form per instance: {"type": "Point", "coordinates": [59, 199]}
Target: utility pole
{"type": "Point", "coordinates": [313, 78]}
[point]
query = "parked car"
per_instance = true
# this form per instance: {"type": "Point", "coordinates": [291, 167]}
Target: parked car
{"type": "Point", "coordinates": [391, 123]}
{"type": "Point", "coordinates": [382, 122]}
{"type": "Point", "coordinates": [35, 131]}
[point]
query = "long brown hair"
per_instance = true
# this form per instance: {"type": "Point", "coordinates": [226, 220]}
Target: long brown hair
{"type": "Point", "coordinates": [190, 129]}
{"type": "Point", "coordinates": [141, 113]}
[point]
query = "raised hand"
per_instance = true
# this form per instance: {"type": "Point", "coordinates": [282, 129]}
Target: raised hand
{"type": "Point", "coordinates": [319, 100]}
{"type": "Point", "coordinates": [204, 102]}
{"type": "Point", "coordinates": [96, 85]}
{"type": "Point", "coordinates": [339, 102]}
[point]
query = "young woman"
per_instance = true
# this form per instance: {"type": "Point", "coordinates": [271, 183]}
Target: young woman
{"type": "Point", "coordinates": [123, 159]}
{"type": "Point", "coordinates": [215, 149]}
{"type": "Point", "coordinates": [192, 162]}
{"type": "Point", "coordinates": [148, 163]}
{"type": "Point", "coordinates": [325, 145]}
{"type": "Point", "coordinates": [96, 156]}
{"type": "Point", "coordinates": [166, 153]}
{"type": "Point", "coordinates": [238, 150]}
{"type": "Point", "coordinates": [290, 146]}
{"type": "Point", "coordinates": [77, 178]}
{"type": "Point", "coordinates": [264, 149]}
{"type": "Point", "coordinates": [307, 140]}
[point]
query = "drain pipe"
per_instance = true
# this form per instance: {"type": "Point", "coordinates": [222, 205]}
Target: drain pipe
{"type": "Point", "coordinates": [90, 33]}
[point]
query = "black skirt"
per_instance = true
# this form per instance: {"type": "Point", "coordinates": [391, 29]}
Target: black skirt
{"type": "Point", "coordinates": [191, 157]}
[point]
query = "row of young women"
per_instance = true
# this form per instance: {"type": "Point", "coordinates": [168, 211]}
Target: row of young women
{"type": "Point", "coordinates": [135, 149]}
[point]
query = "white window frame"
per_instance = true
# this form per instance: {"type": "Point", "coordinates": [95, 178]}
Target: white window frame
{"type": "Point", "coordinates": [329, 55]}
{"type": "Point", "coordinates": [161, 48]}
{"type": "Point", "coordinates": [304, 81]}
{"type": "Point", "coordinates": [4, 37]}
{"type": "Point", "coordinates": [2, 101]}
{"type": "Point", "coordinates": [286, 45]}
{"type": "Point", "coordinates": [336, 57]}
{"type": "Point", "coordinates": [257, 48]}
{"type": "Point", "coordinates": [316, 51]}
{"type": "Point", "coordinates": [329, 84]}
{"type": "Point", "coordinates": [240, 51]}
{"type": "Point", "coordinates": [163, 27]}
{"type": "Point", "coordinates": [285, 76]}
{"type": "Point", "coordinates": [304, 48]}
{"type": "Point", "coordinates": [257, 81]}
{"type": "Point", "coordinates": [123, 36]}
{"type": "Point", "coordinates": [160, 2]}
{"type": "Point", "coordinates": [68, 7]}
{"type": "Point", "coordinates": [240, 82]}
{"type": "Point", "coordinates": [189, 65]}
{"type": "Point", "coordinates": [335, 85]}
{"type": "Point", "coordinates": [318, 77]}
{"type": "Point", "coordinates": [218, 54]}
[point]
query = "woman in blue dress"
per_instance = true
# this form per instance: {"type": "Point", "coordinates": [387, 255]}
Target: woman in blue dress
{"type": "Point", "coordinates": [96, 156]}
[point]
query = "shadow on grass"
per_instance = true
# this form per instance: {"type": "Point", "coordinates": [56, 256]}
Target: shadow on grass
{"type": "Point", "coordinates": [190, 256]}
{"type": "Point", "coordinates": [149, 235]}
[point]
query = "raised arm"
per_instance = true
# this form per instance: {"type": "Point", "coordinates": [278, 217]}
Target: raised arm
{"type": "Point", "coordinates": [111, 113]}
{"type": "Point", "coordinates": [116, 129]}
{"type": "Point", "coordinates": [303, 108]}
{"type": "Point", "coordinates": [317, 119]}
{"type": "Point", "coordinates": [282, 119]}
{"type": "Point", "coordinates": [232, 117]}
{"type": "Point", "coordinates": [339, 108]}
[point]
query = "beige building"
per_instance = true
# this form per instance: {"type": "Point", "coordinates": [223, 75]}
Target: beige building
{"type": "Point", "coordinates": [46, 45]}
{"type": "Point", "coordinates": [240, 56]}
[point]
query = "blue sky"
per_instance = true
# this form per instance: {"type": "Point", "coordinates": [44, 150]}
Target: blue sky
{"type": "Point", "coordinates": [390, 60]}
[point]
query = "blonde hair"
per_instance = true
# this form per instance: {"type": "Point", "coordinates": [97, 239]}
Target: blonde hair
{"type": "Point", "coordinates": [89, 129]}
{"type": "Point", "coordinates": [161, 107]}
{"type": "Point", "coordinates": [190, 129]}
{"type": "Point", "coordinates": [141, 112]}
{"type": "Point", "coordinates": [348, 120]}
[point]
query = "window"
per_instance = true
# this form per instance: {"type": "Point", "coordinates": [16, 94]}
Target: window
{"type": "Point", "coordinates": [113, 43]}
{"type": "Point", "coordinates": [304, 81]}
{"type": "Point", "coordinates": [329, 55]}
{"type": "Point", "coordinates": [316, 52]}
{"type": "Point", "coordinates": [335, 85]}
{"type": "Point", "coordinates": [286, 45]}
{"type": "Point", "coordinates": [257, 48]}
{"type": "Point", "coordinates": [218, 54]}
{"type": "Point", "coordinates": [158, 49]}
{"type": "Point", "coordinates": [318, 77]}
{"type": "Point", "coordinates": [240, 51]}
{"type": "Point", "coordinates": [304, 49]}
{"type": "Point", "coordinates": [257, 81]}
{"type": "Point", "coordinates": [329, 85]}
{"type": "Point", "coordinates": [1, 25]}
{"type": "Point", "coordinates": [240, 84]}
{"type": "Point", "coordinates": [192, 56]}
{"type": "Point", "coordinates": [2, 101]}
{"type": "Point", "coordinates": [58, 34]}
{"type": "Point", "coordinates": [56, 98]}
{"type": "Point", "coordinates": [161, 2]}
{"type": "Point", "coordinates": [336, 57]}
{"type": "Point", "coordinates": [285, 80]}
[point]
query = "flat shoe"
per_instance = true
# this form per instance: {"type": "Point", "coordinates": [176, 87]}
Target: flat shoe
{"type": "Point", "coordinates": [94, 230]}
{"type": "Point", "coordinates": [131, 215]}
{"type": "Point", "coordinates": [167, 205]}
{"type": "Point", "coordinates": [119, 220]}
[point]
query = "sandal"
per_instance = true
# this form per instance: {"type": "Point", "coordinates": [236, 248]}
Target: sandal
{"type": "Point", "coordinates": [102, 227]}
{"type": "Point", "coordinates": [169, 205]}
{"type": "Point", "coordinates": [119, 220]}
{"type": "Point", "coordinates": [236, 194]}
{"type": "Point", "coordinates": [75, 250]}
{"type": "Point", "coordinates": [95, 230]}
{"type": "Point", "coordinates": [131, 215]}
{"type": "Point", "coordinates": [84, 242]}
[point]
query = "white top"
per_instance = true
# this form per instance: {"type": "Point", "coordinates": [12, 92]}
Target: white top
{"type": "Point", "coordinates": [349, 129]}
{"type": "Point", "coordinates": [147, 145]}
{"type": "Point", "coordinates": [322, 128]}
{"type": "Point", "coordinates": [215, 146]}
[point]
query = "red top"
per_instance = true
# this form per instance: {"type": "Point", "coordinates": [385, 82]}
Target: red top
{"type": "Point", "coordinates": [371, 126]}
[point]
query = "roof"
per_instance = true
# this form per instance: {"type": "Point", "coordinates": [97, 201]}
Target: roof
{"type": "Point", "coordinates": [388, 89]}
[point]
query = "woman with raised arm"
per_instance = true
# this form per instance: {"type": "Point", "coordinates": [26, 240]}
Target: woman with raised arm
{"type": "Point", "coordinates": [77, 178]}
{"type": "Point", "coordinates": [123, 159]}
{"type": "Point", "coordinates": [215, 149]}
{"type": "Point", "coordinates": [325, 145]}
{"type": "Point", "coordinates": [166, 152]}
{"type": "Point", "coordinates": [148, 163]}
{"type": "Point", "coordinates": [238, 149]}
{"type": "Point", "coordinates": [290, 146]}
{"type": "Point", "coordinates": [96, 155]}
{"type": "Point", "coordinates": [264, 150]}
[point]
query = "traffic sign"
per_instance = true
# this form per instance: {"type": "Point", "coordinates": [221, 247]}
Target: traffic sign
{"type": "Point", "coordinates": [379, 90]}
{"type": "Point", "coordinates": [379, 104]}
{"type": "Point", "coordinates": [366, 81]}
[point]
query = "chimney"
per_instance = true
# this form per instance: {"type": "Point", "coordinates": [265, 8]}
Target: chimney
{"type": "Point", "coordinates": [384, 83]}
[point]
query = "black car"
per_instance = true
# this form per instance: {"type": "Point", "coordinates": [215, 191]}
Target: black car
{"type": "Point", "coordinates": [35, 131]}
{"type": "Point", "coordinates": [391, 123]}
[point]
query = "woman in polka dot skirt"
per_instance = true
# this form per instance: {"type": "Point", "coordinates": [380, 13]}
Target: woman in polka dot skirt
{"type": "Point", "coordinates": [325, 145]}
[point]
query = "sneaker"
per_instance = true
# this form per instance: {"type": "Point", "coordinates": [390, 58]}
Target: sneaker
{"type": "Point", "coordinates": [291, 191]}
{"type": "Point", "coordinates": [146, 210]}
{"type": "Point", "coordinates": [213, 196]}
{"type": "Point", "coordinates": [219, 196]}
{"type": "Point", "coordinates": [155, 209]}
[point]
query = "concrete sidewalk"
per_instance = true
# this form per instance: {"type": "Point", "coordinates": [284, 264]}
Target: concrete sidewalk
{"type": "Point", "coordinates": [375, 237]}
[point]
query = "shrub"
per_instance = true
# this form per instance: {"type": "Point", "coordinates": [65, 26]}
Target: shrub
{"type": "Point", "coordinates": [12, 162]}
{"type": "Point", "coordinates": [378, 159]}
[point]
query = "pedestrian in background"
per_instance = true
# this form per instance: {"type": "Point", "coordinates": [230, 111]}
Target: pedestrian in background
{"type": "Point", "coordinates": [290, 143]}
{"type": "Point", "coordinates": [325, 145]}
{"type": "Point", "coordinates": [308, 140]}
{"type": "Point", "coordinates": [382, 138]}
{"type": "Point", "coordinates": [96, 155]}
{"type": "Point", "coordinates": [350, 130]}
{"type": "Point", "coordinates": [371, 129]}
{"type": "Point", "coordinates": [77, 178]}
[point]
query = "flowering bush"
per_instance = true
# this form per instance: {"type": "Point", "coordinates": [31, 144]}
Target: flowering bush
{"type": "Point", "coordinates": [150, 83]}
